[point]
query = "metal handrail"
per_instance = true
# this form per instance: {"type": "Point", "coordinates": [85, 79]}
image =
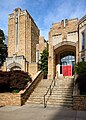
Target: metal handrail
{"type": "Point", "coordinates": [49, 89]}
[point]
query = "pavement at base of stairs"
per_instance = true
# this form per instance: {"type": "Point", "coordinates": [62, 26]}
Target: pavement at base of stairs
{"type": "Point", "coordinates": [32, 112]}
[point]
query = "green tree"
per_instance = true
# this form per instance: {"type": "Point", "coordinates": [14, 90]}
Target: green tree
{"type": "Point", "coordinates": [3, 48]}
{"type": "Point", "coordinates": [44, 62]}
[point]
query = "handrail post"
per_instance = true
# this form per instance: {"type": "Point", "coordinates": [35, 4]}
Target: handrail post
{"type": "Point", "coordinates": [44, 102]}
{"type": "Point", "coordinates": [54, 82]}
{"type": "Point", "coordinates": [50, 90]}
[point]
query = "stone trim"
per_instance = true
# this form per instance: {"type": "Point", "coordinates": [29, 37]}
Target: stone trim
{"type": "Point", "coordinates": [65, 43]}
{"type": "Point", "coordinates": [14, 65]}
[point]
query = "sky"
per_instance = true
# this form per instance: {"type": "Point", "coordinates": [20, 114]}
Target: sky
{"type": "Point", "coordinates": [44, 12]}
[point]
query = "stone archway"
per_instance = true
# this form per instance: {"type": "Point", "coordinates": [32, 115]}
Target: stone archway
{"type": "Point", "coordinates": [14, 66]}
{"type": "Point", "coordinates": [54, 58]}
{"type": "Point", "coordinates": [62, 51]}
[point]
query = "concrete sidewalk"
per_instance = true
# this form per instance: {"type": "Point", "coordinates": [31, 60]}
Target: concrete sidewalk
{"type": "Point", "coordinates": [29, 112]}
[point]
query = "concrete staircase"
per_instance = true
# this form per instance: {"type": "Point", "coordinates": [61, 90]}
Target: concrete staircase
{"type": "Point", "coordinates": [37, 97]}
{"type": "Point", "coordinates": [61, 94]}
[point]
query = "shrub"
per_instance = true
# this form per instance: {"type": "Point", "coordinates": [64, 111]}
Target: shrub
{"type": "Point", "coordinates": [81, 81]}
{"type": "Point", "coordinates": [13, 80]}
{"type": "Point", "coordinates": [44, 62]}
{"type": "Point", "coordinates": [80, 67]}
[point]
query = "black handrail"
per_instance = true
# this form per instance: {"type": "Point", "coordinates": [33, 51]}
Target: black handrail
{"type": "Point", "coordinates": [49, 89]}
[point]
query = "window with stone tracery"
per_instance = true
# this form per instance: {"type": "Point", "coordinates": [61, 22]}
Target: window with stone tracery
{"type": "Point", "coordinates": [83, 40]}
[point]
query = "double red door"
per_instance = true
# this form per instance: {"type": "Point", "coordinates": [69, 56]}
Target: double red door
{"type": "Point", "coordinates": [67, 70]}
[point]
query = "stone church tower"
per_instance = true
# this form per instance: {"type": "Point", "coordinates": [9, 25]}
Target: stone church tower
{"type": "Point", "coordinates": [23, 35]}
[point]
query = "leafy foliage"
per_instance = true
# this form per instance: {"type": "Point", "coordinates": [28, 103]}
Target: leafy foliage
{"type": "Point", "coordinates": [81, 81]}
{"type": "Point", "coordinates": [13, 80]}
{"type": "Point", "coordinates": [44, 62]}
{"type": "Point", "coordinates": [80, 67]}
{"type": "Point", "coordinates": [3, 48]}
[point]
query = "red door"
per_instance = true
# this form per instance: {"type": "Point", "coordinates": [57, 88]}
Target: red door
{"type": "Point", "coordinates": [67, 70]}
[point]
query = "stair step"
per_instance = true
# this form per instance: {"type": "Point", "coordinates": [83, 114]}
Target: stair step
{"type": "Point", "coordinates": [35, 99]}
{"type": "Point", "coordinates": [61, 94]}
{"type": "Point", "coordinates": [41, 90]}
{"type": "Point", "coordinates": [59, 90]}
{"type": "Point", "coordinates": [59, 105]}
{"type": "Point", "coordinates": [59, 102]}
{"type": "Point", "coordinates": [34, 102]}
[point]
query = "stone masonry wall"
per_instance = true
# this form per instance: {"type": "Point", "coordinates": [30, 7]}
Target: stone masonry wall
{"type": "Point", "coordinates": [82, 28]}
{"type": "Point", "coordinates": [10, 99]}
{"type": "Point", "coordinates": [11, 38]}
{"type": "Point", "coordinates": [33, 69]}
{"type": "Point", "coordinates": [42, 44]}
{"type": "Point", "coordinates": [34, 40]}
{"type": "Point", "coordinates": [25, 95]}
{"type": "Point", "coordinates": [23, 35]}
{"type": "Point", "coordinates": [79, 102]}
{"type": "Point", "coordinates": [18, 99]}
{"type": "Point", "coordinates": [64, 31]}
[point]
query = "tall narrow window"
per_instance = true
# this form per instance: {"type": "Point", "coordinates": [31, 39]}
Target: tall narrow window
{"type": "Point", "coordinates": [16, 31]}
{"type": "Point", "coordinates": [37, 56]}
{"type": "Point", "coordinates": [64, 23]}
{"type": "Point", "coordinates": [83, 40]}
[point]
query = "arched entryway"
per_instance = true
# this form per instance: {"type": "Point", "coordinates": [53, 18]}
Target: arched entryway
{"type": "Point", "coordinates": [65, 57]}
{"type": "Point", "coordinates": [67, 62]}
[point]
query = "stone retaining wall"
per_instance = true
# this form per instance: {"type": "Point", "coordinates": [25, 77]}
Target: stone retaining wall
{"type": "Point", "coordinates": [29, 90]}
{"type": "Point", "coordinates": [21, 97]}
{"type": "Point", "coordinates": [79, 102]}
{"type": "Point", "coordinates": [10, 99]}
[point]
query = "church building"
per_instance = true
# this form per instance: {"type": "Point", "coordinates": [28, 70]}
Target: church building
{"type": "Point", "coordinates": [67, 45]}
